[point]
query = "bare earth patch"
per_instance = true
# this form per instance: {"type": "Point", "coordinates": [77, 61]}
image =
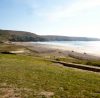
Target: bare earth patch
{"type": "Point", "coordinates": [46, 94]}
{"type": "Point", "coordinates": [9, 91]}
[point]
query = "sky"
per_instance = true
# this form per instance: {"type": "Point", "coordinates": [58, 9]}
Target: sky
{"type": "Point", "coordinates": [52, 17]}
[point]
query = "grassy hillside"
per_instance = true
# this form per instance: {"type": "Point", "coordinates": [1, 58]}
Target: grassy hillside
{"type": "Point", "coordinates": [33, 77]}
{"type": "Point", "coordinates": [9, 35]}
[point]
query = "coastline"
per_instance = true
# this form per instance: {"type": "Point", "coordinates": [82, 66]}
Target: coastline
{"type": "Point", "coordinates": [60, 50]}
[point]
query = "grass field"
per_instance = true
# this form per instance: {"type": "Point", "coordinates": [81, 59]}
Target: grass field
{"type": "Point", "coordinates": [23, 76]}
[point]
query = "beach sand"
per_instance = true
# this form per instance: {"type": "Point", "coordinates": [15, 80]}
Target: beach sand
{"type": "Point", "coordinates": [59, 51]}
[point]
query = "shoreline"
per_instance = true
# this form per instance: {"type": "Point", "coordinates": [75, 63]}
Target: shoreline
{"type": "Point", "coordinates": [80, 49]}
{"type": "Point", "coordinates": [58, 50]}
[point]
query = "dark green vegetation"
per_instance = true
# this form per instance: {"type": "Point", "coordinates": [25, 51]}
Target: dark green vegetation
{"type": "Point", "coordinates": [10, 35]}
{"type": "Point", "coordinates": [34, 77]}
{"type": "Point", "coordinates": [31, 76]}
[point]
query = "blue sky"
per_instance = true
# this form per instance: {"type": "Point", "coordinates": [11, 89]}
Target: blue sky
{"type": "Point", "coordinates": [52, 17]}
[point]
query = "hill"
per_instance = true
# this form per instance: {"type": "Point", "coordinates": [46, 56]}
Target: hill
{"type": "Point", "coordinates": [67, 38]}
{"type": "Point", "coordinates": [11, 35]}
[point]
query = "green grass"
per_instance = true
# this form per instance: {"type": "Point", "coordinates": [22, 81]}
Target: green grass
{"type": "Point", "coordinates": [79, 61]}
{"type": "Point", "coordinates": [38, 75]}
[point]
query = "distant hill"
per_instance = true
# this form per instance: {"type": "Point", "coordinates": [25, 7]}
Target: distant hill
{"type": "Point", "coordinates": [11, 35]}
{"type": "Point", "coordinates": [67, 38]}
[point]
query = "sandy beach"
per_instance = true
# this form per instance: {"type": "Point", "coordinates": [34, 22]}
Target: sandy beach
{"type": "Point", "coordinates": [59, 51]}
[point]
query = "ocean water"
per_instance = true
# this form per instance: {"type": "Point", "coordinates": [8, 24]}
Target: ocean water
{"type": "Point", "coordinates": [83, 46]}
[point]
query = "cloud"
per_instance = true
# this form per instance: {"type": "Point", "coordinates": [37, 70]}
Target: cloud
{"type": "Point", "coordinates": [49, 10]}
{"type": "Point", "coordinates": [72, 17]}
{"type": "Point", "coordinates": [73, 9]}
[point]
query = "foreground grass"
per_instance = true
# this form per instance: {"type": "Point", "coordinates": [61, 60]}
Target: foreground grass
{"type": "Point", "coordinates": [34, 77]}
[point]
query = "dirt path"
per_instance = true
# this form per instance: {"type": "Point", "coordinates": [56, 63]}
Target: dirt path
{"type": "Point", "coordinates": [79, 66]}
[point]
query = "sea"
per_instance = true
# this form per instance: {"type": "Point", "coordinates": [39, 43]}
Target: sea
{"type": "Point", "coordinates": [92, 47]}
